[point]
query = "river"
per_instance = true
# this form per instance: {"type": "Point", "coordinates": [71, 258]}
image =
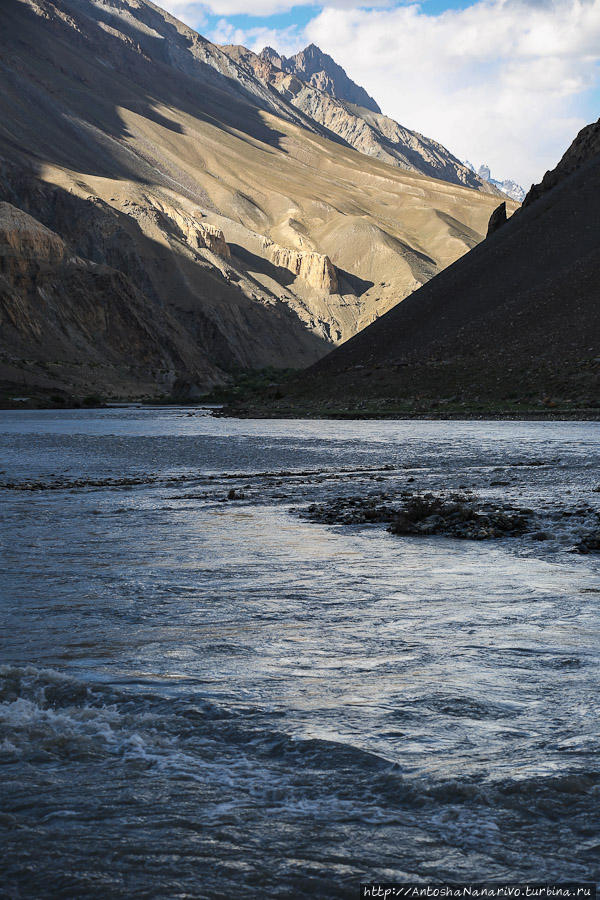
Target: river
{"type": "Point", "coordinates": [204, 694]}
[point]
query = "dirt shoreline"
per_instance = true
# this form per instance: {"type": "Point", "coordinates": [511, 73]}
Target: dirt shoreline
{"type": "Point", "coordinates": [583, 415]}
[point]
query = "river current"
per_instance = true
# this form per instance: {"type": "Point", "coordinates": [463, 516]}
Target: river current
{"type": "Point", "coordinates": [203, 694]}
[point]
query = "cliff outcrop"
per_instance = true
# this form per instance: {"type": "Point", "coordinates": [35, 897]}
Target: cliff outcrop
{"type": "Point", "coordinates": [315, 269]}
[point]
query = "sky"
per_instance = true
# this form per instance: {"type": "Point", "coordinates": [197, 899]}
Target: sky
{"type": "Point", "coordinates": [508, 83]}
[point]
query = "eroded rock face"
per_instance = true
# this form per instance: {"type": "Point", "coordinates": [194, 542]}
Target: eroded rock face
{"type": "Point", "coordinates": [213, 239]}
{"type": "Point", "coordinates": [315, 268]}
{"type": "Point", "coordinates": [202, 235]}
{"type": "Point", "coordinates": [168, 219]}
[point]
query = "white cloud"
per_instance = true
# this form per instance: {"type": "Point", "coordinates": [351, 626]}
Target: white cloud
{"type": "Point", "coordinates": [188, 9]}
{"type": "Point", "coordinates": [497, 82]}
{"type": "Point", "coordinates": [500, 82]}
{"type": "Point", "coordinates": [287, 40]}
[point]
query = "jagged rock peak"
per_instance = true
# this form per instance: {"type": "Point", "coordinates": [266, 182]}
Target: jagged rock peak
{"type": "Point", "coordinates": [321, 71]}
{"type": "Point", "coordinates": [497, 219]}
{"type": "Point", "coordinates": [271, 56]}
{"type": "Point", "coordinates": [508, 186]}
{"type": "Point", "coordinates": [368, 132]}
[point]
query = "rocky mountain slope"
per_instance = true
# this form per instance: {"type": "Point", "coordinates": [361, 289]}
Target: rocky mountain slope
{"type": "Point", "coordinates": [313, 83]}
{"type": "Point", "coordinates": [318, 69]}
{"type": "Point", "coordinates": [191, 200]}
{"type": "Point", "coordinates": [71, 306]}
{"type": "Point", "coordinates": [514, 322]}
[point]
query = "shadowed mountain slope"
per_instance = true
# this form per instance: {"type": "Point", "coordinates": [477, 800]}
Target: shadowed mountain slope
{"type": "Point", "coordinates": [515, 320]}
{"type": "Point", "coordinates": [250, 233]}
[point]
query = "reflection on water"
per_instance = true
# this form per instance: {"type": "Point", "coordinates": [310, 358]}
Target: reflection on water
{"type": "Point", "coordinates": [202, 695]}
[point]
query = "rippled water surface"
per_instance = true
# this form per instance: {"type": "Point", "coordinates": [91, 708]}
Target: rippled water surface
{"type": "Point", "coordinates": [203, 696]}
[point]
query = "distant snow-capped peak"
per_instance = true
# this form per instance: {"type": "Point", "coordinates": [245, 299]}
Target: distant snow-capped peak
{"type": "Point", "coordinates": [508, 186]}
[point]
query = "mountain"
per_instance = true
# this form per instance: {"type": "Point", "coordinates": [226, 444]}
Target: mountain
{"type": "Point", "coordinates": [348, 112]}
{"type": "Point", "coordinates": [322, 72]}
{"type": "Point", "coordinates": [514, 324]}
{"type": "Point", "coordinates": [167, 217]}
{"type": "Point", "coordinates": [508, 187]}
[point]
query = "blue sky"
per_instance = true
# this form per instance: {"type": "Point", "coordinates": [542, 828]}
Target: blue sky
{"type": "Point", "coordinates": [505, 82]}
{"type": "Point", "coordinates": [299, 16]}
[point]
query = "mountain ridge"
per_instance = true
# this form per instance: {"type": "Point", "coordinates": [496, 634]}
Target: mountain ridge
{"type": "Point", "coordinates": [321, 71]}
{"type": "Point", "coordinates": [365, 129]}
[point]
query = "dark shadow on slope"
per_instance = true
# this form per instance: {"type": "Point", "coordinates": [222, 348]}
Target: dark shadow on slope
{"type": "Point", "coordinates": [349, 283]}
{"type": "Point", "coordinates": [258, 264]}
{"type": "Point", "coordinates": [459, 229]}
{"type": "Point", "coordinates": [356, 285]}
{"type": "Point", "coordinates": [213, 317]}
{"type": "Point", "coordinates": [517, 318]}
{"type": "Point", "coordinates": [62, 92]}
